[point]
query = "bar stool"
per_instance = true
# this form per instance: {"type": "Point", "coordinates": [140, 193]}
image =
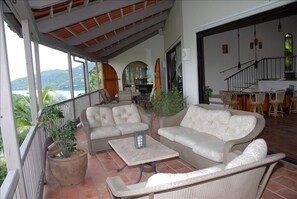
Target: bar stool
{"type": "Point", "coordinates": [230, 99]}
{"type": "Point", "coordinates": [293, 105]}
{"type": "Point", "coordinates": [257, 101]}
{"type": "Point", "coordinates": [276, 100]}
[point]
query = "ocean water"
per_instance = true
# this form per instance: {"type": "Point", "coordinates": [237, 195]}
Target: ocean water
{"type": "Point", "coordinates": [63, 93]}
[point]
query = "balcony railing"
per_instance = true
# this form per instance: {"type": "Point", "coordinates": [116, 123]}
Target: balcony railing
{"type": "Point", "coordinates": [33, 151]}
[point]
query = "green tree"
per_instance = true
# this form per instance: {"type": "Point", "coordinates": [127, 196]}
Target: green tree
{"type": "Point", "coordinates": [93, 79]}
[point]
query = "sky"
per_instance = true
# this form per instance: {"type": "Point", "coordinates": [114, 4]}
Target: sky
{"type": "Point", "coordinates": [49, 58]}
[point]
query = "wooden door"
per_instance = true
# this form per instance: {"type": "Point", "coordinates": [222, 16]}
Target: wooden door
{"type": "Point", "coordinates": [157, 76]}
{"type": "Point", "coordinates": [110, 79]}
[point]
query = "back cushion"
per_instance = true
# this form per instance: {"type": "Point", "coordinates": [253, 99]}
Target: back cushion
{"type": "Point", "coordinates": [194, 118]}
{"type": "Point", "coordinates": [99, 116]}
{"type": "Point", "coordinates": [126, 114]}
{"type": "Point", "coordinates": [214, 122]}
{"type": "Point", "coordinates": [239, 126]}
{"type": "Point", "coordinates": [255, 151]}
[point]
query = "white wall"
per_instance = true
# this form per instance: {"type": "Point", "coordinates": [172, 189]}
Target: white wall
{"type": "Point", "coordinates": [148, 52]}
{"type": "Point", "coordinates": [267, 33]}
{"type": "Point", "coordinates": [202, 15]}
{"type": "Point", "coordinates": [173, 26]}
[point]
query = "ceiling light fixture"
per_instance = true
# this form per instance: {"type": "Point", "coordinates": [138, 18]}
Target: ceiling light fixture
{"type": "Point", "coordinates": [238, 43]}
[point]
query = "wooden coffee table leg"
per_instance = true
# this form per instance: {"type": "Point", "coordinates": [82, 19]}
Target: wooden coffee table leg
{"type": "Point", "coordinates": [142, 168]}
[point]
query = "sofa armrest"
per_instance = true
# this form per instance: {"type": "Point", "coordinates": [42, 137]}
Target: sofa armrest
{"type": "Point", "coordinates": [145, 117]}
{"type": "Point", "coordinates": [84, 121]}
{"type": "Point", "coordinates": [116, 186]}
{"type": "Point", "coordinates": [173, 120]}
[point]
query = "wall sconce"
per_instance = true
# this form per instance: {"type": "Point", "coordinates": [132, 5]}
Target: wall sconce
{"type": "Point", "coordinates": [186, 54]}
{"type": "Point", "coordinates": [225, 48]}
{"type": "Point", "coordinates": [260, 45]}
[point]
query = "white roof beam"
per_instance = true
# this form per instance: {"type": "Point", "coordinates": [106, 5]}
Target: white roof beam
{"type": "Point", "coordinates": [81, 14]}
{"type": "Point", "coordinates": [118, 23]}
{"type": "Point", "coordinates": [132, 39]}
{"type": "Point", "coordinates": [131, 45]}
{"type": "Point", "coordinates": [128, 32]}
{"type": "Point", "coordinates": [43, 4]}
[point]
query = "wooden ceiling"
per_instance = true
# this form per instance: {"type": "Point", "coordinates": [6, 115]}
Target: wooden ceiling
{"type": "Point", "coordinates": [101, 28]}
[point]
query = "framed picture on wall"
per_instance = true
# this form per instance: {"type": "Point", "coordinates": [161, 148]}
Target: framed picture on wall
{"type": "Point", "coordinates": [225, 48]}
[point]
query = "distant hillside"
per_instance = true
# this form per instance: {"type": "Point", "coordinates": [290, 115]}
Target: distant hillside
{"type": "Point", "coordinates": [56, 79]}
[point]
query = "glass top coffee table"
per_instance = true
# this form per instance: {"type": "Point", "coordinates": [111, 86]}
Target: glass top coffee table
{"type": "Point", "coordinates": [154, 151]}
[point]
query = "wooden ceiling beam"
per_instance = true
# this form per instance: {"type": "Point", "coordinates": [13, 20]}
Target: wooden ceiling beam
{"type": "Point", "coordinates": [94, 9]}
{"type": "Point", "coordinates": [120, 22]}
{"type": "Point", "coordinates": [128, 33]}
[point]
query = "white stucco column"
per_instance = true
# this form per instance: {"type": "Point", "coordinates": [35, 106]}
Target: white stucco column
{"type": "Point", "coordinates": [86, 69]}
{"type": "Point", "coordinates": [8, 127]}
{"type": "Point", "coordinates": [30, 69]}
{"type": "Point", "coordinates": [38, 75]}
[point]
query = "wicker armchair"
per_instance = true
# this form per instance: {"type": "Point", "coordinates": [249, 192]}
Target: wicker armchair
{"type": "Point", "coordinates": [245, 181]}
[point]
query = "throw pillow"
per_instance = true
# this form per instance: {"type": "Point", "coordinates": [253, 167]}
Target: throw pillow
{"type": "Point", "coordinates": [164, 178]}
{"type": "Point", "coordinates": [255, 151]}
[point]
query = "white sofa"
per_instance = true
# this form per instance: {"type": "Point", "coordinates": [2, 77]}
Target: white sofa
{"type": "Point", "coordinates": [203, 134]}
{"type": "Point", "coordinates": [113, 121]}
{"type": "Point", "coordinates": [244, 175]}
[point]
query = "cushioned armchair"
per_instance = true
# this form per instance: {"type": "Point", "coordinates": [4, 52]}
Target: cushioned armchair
{"type": "Point", "coordinates": [243, 176]}
{"type": "Point", "coordinates": [113, 121]}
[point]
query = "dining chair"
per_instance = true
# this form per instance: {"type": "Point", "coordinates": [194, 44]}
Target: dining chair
{"type": "Point", "coordinates": [103, 96]}
{"type": "Point", "coordinates": [230, 99]}
{"type": "Point", "coordinates": [109, 98]}
{"type": "Point", "coordinates": [125, 96]}
{"type": "Point", "coordinates": [257, 100]}
{"type": "Point", "coordinates": [276, 100]}
{"type": "Point", "coordinates": [146, 100]}
{"type": "Point", "coordinates": [293, 104]}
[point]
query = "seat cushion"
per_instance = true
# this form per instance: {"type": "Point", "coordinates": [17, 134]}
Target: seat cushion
{"type": "Point", "coordinates": [211, 149]}
{"type": "Point", "coordinates": [132, 127]}
{"type": "Point", "coordinates": [171, 132]}
{"type": "Point", "coordinates": [163, 178]}
{"type": "Point", "coordinates": [255, 151]}
{"type": "Point", "coordinates": [126, 114]}
{"type": "Point", "coordinates": [99, 116]}
{"type": "Point", "coordinates": [104, 132]}
{"type": "Point", "coordinates": [190, 138]}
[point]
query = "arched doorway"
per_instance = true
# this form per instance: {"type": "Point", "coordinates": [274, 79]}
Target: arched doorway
{"type": "Point", "coordinates": [137, 75]}
{"type": "Point", "coordinates": [110, 79]}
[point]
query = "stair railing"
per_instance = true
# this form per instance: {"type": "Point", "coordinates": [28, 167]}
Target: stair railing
{"type": "Point", "coordinates": [264, 69]}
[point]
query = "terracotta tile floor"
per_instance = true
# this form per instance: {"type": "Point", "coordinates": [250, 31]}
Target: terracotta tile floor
{"type": "Point", "coordinates": [282, 185]}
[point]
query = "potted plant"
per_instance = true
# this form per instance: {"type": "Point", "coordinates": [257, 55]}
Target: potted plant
{"type": "Point", "coordinates": [67, 163]}
{"type": "Point", "coordinates": [167, 103]}
{"type": "Point", "coordinates": [207, 93]}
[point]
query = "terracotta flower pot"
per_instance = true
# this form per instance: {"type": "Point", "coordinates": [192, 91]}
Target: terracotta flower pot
{"type": "Point", "coordinates": [69, 171]}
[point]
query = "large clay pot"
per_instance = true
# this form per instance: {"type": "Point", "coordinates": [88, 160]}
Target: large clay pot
{"type": "Point", "coordinates": [69, 171]}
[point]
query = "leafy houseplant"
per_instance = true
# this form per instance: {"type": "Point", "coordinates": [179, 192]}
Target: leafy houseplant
{"type": "Point", "coordinates": [67, 163]}
{"type": "Point", "coordinates": [62, 134]}
{"type": "Point", "coordinates": [208, 93]}
{"type": "Point", "coordinates": [167, 103]}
